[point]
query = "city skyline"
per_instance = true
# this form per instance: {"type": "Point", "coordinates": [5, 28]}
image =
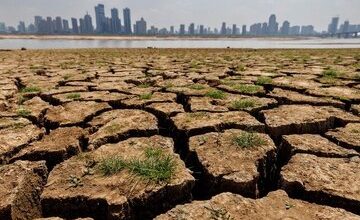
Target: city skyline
{"type": "Point", "coordinates": [158, 11]}
{"type": "Point", "coordinates": [112, 24]}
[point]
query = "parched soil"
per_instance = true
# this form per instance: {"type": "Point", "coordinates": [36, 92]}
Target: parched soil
{"type": "Point", "coordinates": [180, 134]}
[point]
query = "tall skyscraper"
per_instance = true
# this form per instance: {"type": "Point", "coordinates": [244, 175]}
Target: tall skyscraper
{"type": "Point", "coordinates": [100, 18]}
{"type": "Point", "coordinates": [37, 22]}
{"type": "Point", "coordinates": [201, 30]}
{"type": "Point", "coordinates": [21, 27]}
{"type": "Point", "coordinates": [140, 27]}
{"type": "Point", "coordinates": [66, 28]}
{"type": "Point", "coordinates": [264, 28]}
{"type": "Point", "coordinates": [333, 26]}
{"type": "Point", "coordinates": [243, 31]}
{"type": "Point", "coordinates": [234, 30]}
{"type": "Point", "coordinates": [88, 26]}
{"type": "Point", "coordinates": [58, 25]}
{"type": "Point", "coordinates": [285, 28]}
{"type": "Point", "coordinates": [172, 30]}
{"type": "Point", "coordinates": [223, 29]}
{"type": "Point", "coordinates": [182, 29]}
{"type": "Point", "coordinates": [115, 21]}
{"type": "Point", "coordinates": [75, 27]}
{"type": "Point", "coordinates": [192, 29]}
{"type": "Point", "coordinates": [127, 21]}
{"type": "Point", "coordinates": [273, 25]}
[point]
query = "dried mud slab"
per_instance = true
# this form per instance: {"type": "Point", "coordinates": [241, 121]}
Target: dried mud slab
{"type": "Point", "coordinates": [348, 137]}
{"type": "Point", "coordinates": [117, 125]}
{"type": "Point", "coordinates": [21, 184]}
{"type": "Point", "coordinates": [276, 205]}
{"type": "Point", "coordinates": [291, 97]}
{"type": "Point", "coordinates": [122, 195]}
{"type": "Point", "coordinates": [16, 136]}
{"type": "Point", "coordinates": [295, 83]}
{"type": "Point", "coordinates": [298, 119]}
{"type": "Point", "coordinates": [246, 89]}
{"type": "Point", "coordinates": [73, 113]}
{"type": "Point", "coordinates": [36, 109]}
{"type": "Point", "coordinates": [203, 122]}
{"type": "Point", "coordinates": [97, 96]}
{"type": "Point", "coordinates": [54, 148]}
{"type": "Point", "coordinates": [339, 92]}
{"type": "Point", "coordinates": [230, 162]}
{"type": "Point", "coordinates": [313, 144]}
{"type": "Point", "coordinates": [165, 110]}
{"type": "Point", "coordinates": [148, 98]}
{"type": "Point", "coordinates": [329, 181]}
{"type": "Point", "coordinates": [355, 109]}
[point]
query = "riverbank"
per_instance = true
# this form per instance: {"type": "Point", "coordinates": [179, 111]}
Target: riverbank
{"type": "Point", "coordinates": [112, 37]}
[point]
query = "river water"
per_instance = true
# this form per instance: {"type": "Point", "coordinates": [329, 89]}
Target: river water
{"type": "Point", "coordinates": [180, 43]}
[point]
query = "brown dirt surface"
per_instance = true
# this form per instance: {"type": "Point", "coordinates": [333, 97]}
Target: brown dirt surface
{"type": "Point", "coordinates": [73, 113]}
{"type": "Point", "coordinates": [277, 205]}
{"type": "Point", "coordinates": [117, 196]}
{"type": "Point", "coordinates": [314, 144]}
{"type": "Point", "coordinates": [21, 186]}
{"type": "Point", "coordinates": [304, 119]}
{"type": "Point", "coordinates": [348, 137]}
{"type": "Point", "coordinates": [334, 180]}
{"type": "Point", "coordinates": [200, 122]}
{"type": "Point", "coordinates": [229, 166]}
{"type": "Point", "coordinates": [119, 124]}
{"type": "Point", "coordinates": [233, 120]}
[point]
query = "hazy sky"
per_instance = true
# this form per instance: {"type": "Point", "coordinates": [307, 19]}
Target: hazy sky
{"type": "Point", "coordinates": [164, 13]}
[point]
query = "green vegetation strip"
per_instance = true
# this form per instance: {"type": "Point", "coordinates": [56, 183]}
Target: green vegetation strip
{"type": "Point", "coordinates": [248, 140]}
{"type": "Point", "coordinates": [155, 165]}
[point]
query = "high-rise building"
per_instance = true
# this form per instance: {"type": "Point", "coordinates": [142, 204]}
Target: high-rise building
{"type": "Point", "coordinates": [273, 26]}
{"type": "Point", "coordinates": [172, 30]}
{"type": "Point", "coordinates": [285, 28]}
{"type": "Point", "coordinates": [191, 30]}
{"type": "Point", "coordinates": [234, 30]}
{"type": "Point", "coordinates": [201, 30]}
{"type": "Point", "coordinates": [75, 27]}
{"type": "Point", "coordinates": [21, 27]}
{"type": "Point", "coordinates": [82, 25]}
{"type": "Point", "coordinates": [66, 27]}
{"type": "Point", "coordinates": [38, 20]}
{"type": "Point", "coordinates": [264, 28]}
{"type": "Point", "coordinates": [333, 26]}
{"type": "Point", "coordinates": [58, 25]}
{"type": "Point", "coordinates": [223, 29]}
{"type": "Point", "coordinates": [100, 18]}
{"type": "Point", "coordinates": [88, 26]}
{"type": "Point", "coordinates": [182, 29]}
{"type": "Point", "coordinates": [307, 30]}
{"type": "Point", "coordinates": [127, 21]}
{"type": "Point", "coordinates": [140, 27]}
{"type": "Point", "coordinates": [243, 31]}
{"type": "Point", "coordinates": [115, 21]}
{"type": "Point", "coordinates": [2, 27]}
{"type": "Point", "coordinates": [294, 30]}
{"type": "Point", "coordinates": [49, 26]}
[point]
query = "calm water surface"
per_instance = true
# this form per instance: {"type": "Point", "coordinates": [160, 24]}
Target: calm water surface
{"type": "Point", "coordinates": [180, 43]}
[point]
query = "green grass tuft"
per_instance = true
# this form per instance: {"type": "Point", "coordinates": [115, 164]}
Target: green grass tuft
{"type": "Point", "coordinates": [155, 165]}
{"type": "Point", "coordinates": [245, 88]}
{"type": "Point", "coordinates": [240, 68]}
{"type": "Point", "coordinates": [330, 73]}
{"type": "Point", "coordinates": [216, 94]}
{"type": "Point", "coordinates": [23, 112]}
{"type": "Point", "coordinates": [248, 140]}
{"type": "Point", "coordinates": [73, 96]}
{"type": "Point", "coordinates": [145, 96]}
{"type": "Point", "coordinates": [197, 87]}
{"type": "Point", "coordinates": [244, 104]}
{"type": "Point", "coordinates": [262, 80]}
{"type": "Point", "coordinates": [30, 89]}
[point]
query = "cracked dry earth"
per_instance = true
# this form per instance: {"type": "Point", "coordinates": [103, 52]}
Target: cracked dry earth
{"type": "Point", "coordinates": [236, 134]}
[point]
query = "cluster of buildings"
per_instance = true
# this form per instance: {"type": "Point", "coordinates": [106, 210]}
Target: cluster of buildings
{"type": "Point", "coordinates": [115, 25]}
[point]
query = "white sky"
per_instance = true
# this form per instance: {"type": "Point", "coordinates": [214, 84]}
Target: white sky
{"type": "Point", "coordinates": [163, 13]}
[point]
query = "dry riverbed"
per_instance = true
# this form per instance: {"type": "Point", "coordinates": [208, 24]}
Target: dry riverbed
{"type": "Point", "coordinates": [180, 134]}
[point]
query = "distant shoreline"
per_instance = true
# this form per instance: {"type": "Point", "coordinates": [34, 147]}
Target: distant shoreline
{"type": "Point", "coordinates": [138, 38]}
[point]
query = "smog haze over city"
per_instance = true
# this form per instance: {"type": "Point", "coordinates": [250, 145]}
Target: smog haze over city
{"type": "Point", "coordinates": [164, 13]}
